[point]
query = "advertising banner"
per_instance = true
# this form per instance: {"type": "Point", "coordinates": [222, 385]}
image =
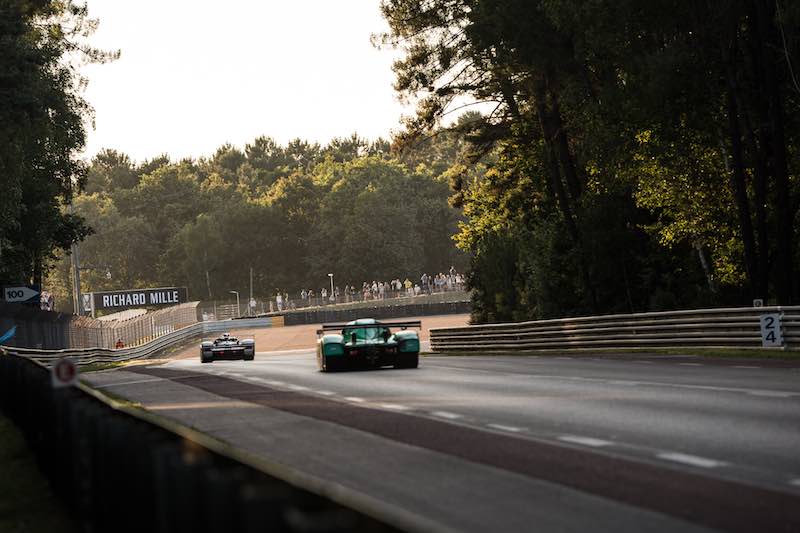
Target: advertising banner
{"type": "Point", "coordinates": [139, 298]}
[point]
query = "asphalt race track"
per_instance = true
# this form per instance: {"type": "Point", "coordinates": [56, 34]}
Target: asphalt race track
{"type": "Point", "coordinates": [513, 443]}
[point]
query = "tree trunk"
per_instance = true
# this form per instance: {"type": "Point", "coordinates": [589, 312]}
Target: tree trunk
{"type": "Point", "coordinates": [760, 173]}
{"type": "Point", "coordinates": [552, 162]}
{"type": "Point", "coordinates": [574, 183]}
{"type": "Point", "coordinates": [739, 182]}
{"type": "Point", "coordinates": [767, 41]}
{"type": "Point", "coordinates": [37, 269]}
{"type": "Point", "coordinates": [545, 121]}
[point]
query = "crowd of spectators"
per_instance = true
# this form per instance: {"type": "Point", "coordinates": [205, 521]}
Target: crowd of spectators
{"type": "Point", "coordinates": [375, 290]}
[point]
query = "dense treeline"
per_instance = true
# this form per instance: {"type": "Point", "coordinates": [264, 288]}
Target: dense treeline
{"type": "Point", "coordinates": [639, 155]}
{"type": "Point", "coordinates": [42, 116]}
{"type": "Point", "coordinates": [293, 213]}
{"type": "Point", "coordinates": [635, 156]}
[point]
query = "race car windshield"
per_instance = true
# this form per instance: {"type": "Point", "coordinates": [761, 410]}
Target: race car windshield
{"type": "Point", "coordinates": [365, 334]}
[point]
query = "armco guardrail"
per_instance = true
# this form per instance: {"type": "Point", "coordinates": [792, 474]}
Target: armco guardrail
{"type": "Point", "coordinates": [85, 356]}
{"type": "Point", "coordinates": [728, 328]}
{"type": "Point", "coordinates": [119, 468]}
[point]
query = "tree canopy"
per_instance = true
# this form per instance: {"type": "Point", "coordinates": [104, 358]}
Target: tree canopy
{"type": "Point", "coordinates": [292, 212]}
{"type": "Point", "coordinates": [639, 155]}
{"type": "Point", "coordinates": [42, 131]}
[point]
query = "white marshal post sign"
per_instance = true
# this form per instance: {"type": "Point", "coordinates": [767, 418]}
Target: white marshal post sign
{"type": "Point", "coordinates": [118, 300]}
{"type": "Point", "coordinates": [771, 330]}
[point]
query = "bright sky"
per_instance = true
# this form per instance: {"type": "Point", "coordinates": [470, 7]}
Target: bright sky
{"type": "Point", "coordinates": [195, 74]}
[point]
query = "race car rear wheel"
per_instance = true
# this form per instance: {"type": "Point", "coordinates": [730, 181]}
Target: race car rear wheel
{"type": "Point", "coordinates": [249, 357]}
{"type": "Point", "coordinates": [410, 360]}
{"type": "Point", "coordinates": [330, 364]}
{"type": "Point", "coordinates": [206, 358]}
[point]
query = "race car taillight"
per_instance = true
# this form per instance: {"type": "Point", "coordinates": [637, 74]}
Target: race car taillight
{"type": "Point", "coordinates": [353, 352]}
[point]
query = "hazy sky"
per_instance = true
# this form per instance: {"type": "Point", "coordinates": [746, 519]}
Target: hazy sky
{"type": "Point", "coordinates": [196, 74]}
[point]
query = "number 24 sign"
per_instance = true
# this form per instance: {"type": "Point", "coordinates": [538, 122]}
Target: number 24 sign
{"type": "Point", "coordinates": [771, 334]}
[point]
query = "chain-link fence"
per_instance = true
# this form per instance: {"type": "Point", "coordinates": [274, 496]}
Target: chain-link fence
{"type": "Point", "coordinates": [47, 330]}
{"type": "Point", "coordinates": [225, 309]}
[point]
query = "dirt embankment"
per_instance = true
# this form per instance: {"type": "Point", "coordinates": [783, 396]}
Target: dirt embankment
{"type": "Point", "coordinates": [305, 336]}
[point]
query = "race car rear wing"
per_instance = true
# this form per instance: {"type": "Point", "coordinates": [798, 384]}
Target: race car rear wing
{"type": "Point", "coordinates": [343, 325]}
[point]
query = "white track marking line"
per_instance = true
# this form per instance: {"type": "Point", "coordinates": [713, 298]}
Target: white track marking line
{"type": "Point", "coordinates": [795, 482]}
{"type": "Point", "coordinates": [354, 399]}
{"type": "Point", "coordinates": [587, 441]}
{"type": "Point", "coordinates": [394, 406]}
{"type": "Point", "coordinates": [137, 382]}
{"type": "Point", "coordinates": [623, 383]}
{"type": "Point", "coordinates": [562, 357]}
{"type": "Point", "coordinates": [646, 362]}
{"type": "Point", "coordinates": [501, 427]}
{"type": "Point", "coordinates": [297, 387]}
{"type": "Point", "coordinates": [745, 366]}
{"type": "Point", "coordinates": [690, 364]}
{"type": "Point", "coordinates": [692, 460]}
{"type": "Point", "coordinates": [325, 392]}
{"type": "Point", "coordinates": [446, 414]}
{"type": "Point", "coordinates": [771, 393]}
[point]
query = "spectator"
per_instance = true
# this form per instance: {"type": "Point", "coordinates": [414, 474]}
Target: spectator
{"type": "Point", "coordinates": [119, 345]}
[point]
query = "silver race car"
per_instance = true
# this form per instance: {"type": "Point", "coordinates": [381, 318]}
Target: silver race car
{"type": "Point", "coordinates": [227, 347]}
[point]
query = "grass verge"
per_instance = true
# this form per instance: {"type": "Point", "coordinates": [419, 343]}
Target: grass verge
{"type": "Point", "coordinates": [27, 503]}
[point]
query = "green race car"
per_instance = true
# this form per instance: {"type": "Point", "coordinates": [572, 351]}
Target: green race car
{"type": "Point", "coordinates": [367, 343]}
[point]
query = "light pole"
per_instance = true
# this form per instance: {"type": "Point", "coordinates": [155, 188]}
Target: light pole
{"type": "Point", "coordinates": [332, 297]}
{"type": "Point", "coordinates": [238, 309]}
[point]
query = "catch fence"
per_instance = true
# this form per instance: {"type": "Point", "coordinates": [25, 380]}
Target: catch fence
{"type": "Point", "coordinates": [225, 309]}
{"type": "Point", "coordinates": [47, 330]}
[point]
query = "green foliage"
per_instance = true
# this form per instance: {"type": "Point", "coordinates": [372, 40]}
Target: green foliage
{"type": "Point", "coordinates": [42, 116]}
{"type": "Point", "coordinates": [641, 155]}
{"type": "Point", "coordinates": [293, 213]}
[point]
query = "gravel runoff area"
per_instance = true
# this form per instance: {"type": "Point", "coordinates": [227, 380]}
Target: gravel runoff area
{"type": "Point", "coordinates": [304, 337]}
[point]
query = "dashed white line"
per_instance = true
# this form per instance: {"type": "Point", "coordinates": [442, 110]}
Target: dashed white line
{"type": "Point", "coordinates": [274, 383]}
{"type": "Point", "coordinates": [693, 460]}
{"type": "Point", "coordinates": [690, 364]}
{"type": "Point", "coordinates": [297, 387]}
{"type": "Point", "coordinates": [501, 427]}
{"type": "Point", "coordinates": [354, 399]}
{"type": "Point", "coordinates": [446, 414]}
{"type": "Point", "coordinates": [623, 383]}
{"type": "Point", "coordinates": [325, 392]}
{"type": "Point", "coordinates": [746, 366]}
{"type": "Point", "coordinates": [394, 406]}
{"type": "Point", "coordinates": [586, 441]}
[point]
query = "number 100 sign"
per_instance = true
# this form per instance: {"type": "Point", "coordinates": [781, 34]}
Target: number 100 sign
{"type": "Point", "coordinates": [771, 334]}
